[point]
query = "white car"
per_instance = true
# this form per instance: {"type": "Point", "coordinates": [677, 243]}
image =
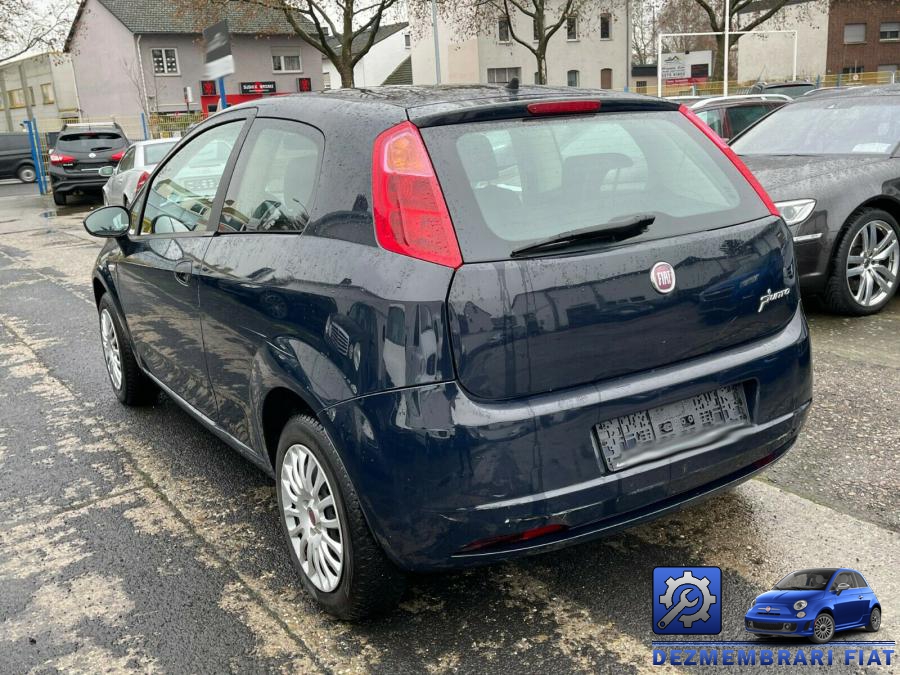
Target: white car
{"type": "Point", "coordinates": [133, 169]}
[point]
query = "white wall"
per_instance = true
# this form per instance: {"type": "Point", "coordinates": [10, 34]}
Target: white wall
{"type": "Point", "coordinates": [466, 60]}
{"type": "Point", "coordinates": [376, 65]}
{"type": "Point", "coordinates": [770, 57]}
{"type": "Point", "coordinates": [54, 70]}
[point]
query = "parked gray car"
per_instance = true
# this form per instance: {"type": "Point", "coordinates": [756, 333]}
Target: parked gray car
{"type": "Point", "coordinates": [832, 165]}
{"type": "Point", "coordinates": [136, 165]}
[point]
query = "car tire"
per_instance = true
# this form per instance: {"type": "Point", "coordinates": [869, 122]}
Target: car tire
{"type": "Point", "coordinates": [874, 620]}
{"type": "Point", "coordinates": [26, 173]}
{"type": "Point", "coordinates": [845, 291]}
{"type": "Point", "coordinates": [363, 582]}
{"type": "Point", "coordinates": [131, 386]}
{"type": "Point", "coordinates": [827, 628]}
{"type": "Point", "coordinates": [59, 198]}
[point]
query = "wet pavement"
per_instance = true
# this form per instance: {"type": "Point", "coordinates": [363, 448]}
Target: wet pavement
{"type": "Point", "coordinates": [132, 539]}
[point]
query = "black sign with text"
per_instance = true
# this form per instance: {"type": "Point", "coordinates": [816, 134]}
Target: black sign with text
{"type": "Point", "coordinates": [258, 87]}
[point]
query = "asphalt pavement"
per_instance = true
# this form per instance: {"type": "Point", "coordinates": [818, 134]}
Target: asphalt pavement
{"type": "Point", "coordinates": [132, 539]}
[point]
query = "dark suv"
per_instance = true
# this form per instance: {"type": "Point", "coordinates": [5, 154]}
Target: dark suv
{"type": "Point", "coordinates": [459, 324]}
{"type": "Point", "coordinates": [15, 157]}
{"type": "Point", "coordinates": [78, 154]}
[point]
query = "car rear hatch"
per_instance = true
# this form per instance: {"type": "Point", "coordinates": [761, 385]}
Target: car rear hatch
{"type": "Point", "coordinates": [670, 254]}
{"type": "Point", "coordinates": [86, 152]}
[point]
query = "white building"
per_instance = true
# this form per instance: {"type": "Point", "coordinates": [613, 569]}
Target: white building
{"type": "Point", "coordinates": [49, 85]}
{"type": "Point", "coordinates": [392, 47]}
{"type": "Point", "coordinates": [589, 51]}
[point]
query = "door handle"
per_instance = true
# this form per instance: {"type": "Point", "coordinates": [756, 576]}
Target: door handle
{"type": "Point", "coordinates": [183, 272]}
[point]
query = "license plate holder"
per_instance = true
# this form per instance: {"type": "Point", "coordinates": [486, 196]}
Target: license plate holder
{"type": "Point", "coordinates": [673, 427]}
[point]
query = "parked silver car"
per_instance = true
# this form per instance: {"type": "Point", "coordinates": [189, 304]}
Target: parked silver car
{"type": "Point", "coordinates": [133, 169]}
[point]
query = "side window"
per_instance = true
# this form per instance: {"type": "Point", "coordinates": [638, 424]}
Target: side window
{"type": "Point", "coordinates": [127, 162]}
{"type": "Point", "coordinates": [274, 181]}
{"type": "Point", "coordinates": [843, 578]}
{"type": "Point", "coordinates": [743, 116]}
{"type": "Point", "coordinates": [860, 582]}
{"type": "Point", "coordinates": [181, 195]}
{"type": "Point", "coordinates": [714, 119]}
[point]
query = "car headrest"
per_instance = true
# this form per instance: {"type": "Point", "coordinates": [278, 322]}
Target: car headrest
{"type": "Point", "coordinates": [477, 155]}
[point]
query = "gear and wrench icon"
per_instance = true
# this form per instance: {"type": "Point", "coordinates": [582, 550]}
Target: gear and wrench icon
{"type": "Point", "coordinates": [702, 585]}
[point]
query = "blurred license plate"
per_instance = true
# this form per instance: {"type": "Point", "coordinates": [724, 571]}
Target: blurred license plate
{"type": "Point", "coordinates": [642, 436]}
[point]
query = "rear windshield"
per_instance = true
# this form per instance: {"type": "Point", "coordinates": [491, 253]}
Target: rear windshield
{"type": "Point", "coordinates": [792, 90]}
{"type": "Point", "coordinates": [91, 141]}
{"type": "Point", "coordinates": [156, 151]}
{"type": "Point", "coordinates": [515, 182]}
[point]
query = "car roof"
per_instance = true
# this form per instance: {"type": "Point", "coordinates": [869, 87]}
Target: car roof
{"type": "Point", "coordinates": [156, 141]}
{"type": "Point", "coordinates": [858, 91]}
{"type": "Point", "coordinates": [740, 99]}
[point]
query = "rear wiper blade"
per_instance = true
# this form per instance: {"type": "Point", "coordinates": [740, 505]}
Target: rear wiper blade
{"type": "Point", "coordinates": [613, 231]}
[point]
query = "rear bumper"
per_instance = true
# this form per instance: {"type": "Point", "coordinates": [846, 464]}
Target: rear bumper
{"type": "Point", "coordinates": [437, 470]}
{"type": "Point", "coordinates": [63, 183]}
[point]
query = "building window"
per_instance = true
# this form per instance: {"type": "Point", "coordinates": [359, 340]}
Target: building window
{"type": "Point", "coordinates": [16, 98]}
{"type": "Point", "coordinates": [165, 61]}
{"type": "Point", "coordinates": [407, 40]}
{"type": "Point", "coordinates": [537, 77]}
{"type": "Point", "coordinates": [286, 61]}
{"type": "Point", "coordinates": [503, 75]}
{"type": "Point", "coordinates": [605, 27]}
{"type": "Point", "coordinates": [572, 78]}
{"type": "Point", "coordinates": [851, 70]}
{"type": "Point", "coordinates": [889, 31]}
{"type": "Point", "coordinates": [326, 80]}
{"type": "Point", "coordinates": [854, 33]}
{"type": "Point", "coordinates": [640, 86]}
{"type": "Point", "coordinates": [572, 28]}
{"type": "Point", "coordinates": [47, 93]}
{"type": "Point", "coordinates": [503, 30]}
{"type": "Point", "coordinates": [535, 31]}
{"type": "Point", "coordinates": [887, 69]}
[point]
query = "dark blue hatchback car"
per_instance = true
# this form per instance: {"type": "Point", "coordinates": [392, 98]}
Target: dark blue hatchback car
{"type": "Point", "coordinates": [459, 324]}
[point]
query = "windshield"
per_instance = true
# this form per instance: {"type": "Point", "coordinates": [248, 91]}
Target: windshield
{"type": "Point", "coordinates": [512, 183]}
{"type": "Point", "coordinates": [806, 580]}
{"type": "Point", "coordinates": [154, 152]}
{"type": "Point", "coordinates": [91, 141]}
{"type": "Point", "coordinates": [828, 126]}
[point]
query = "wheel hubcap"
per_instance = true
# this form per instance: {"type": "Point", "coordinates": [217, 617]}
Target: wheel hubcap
{"type": "Point", "coordinates": [873, 263]}
{"type": "Point", "coordinates": [823, 627]}
{"type": "Point", "coordinates": [111, 348]}
{"type": "Point", "coordinates": [28, 175]}
{"type": "Point", "coordinates": [875, 619]}
{"type": "Point", "coordinates": [311, 517]}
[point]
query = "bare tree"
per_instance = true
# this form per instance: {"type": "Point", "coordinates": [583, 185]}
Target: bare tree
{"type": "Point", "coordinates": [745, 15]}
{"type": "Point", "coordinates": [644, 29]}
{"type": "Point", "coordinates": [33, 25]}
{"type": "Point", "coordinates": [530, 23]}
{"type": "Point", "coordinates": [342, 30]}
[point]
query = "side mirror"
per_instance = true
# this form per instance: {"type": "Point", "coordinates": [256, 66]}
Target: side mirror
{"type": "Point", "coordinates": [109, 221]}
{"type": "Point", "coordinates": [842, 587]}
{"type": "Point", "coordinates": [106, 171]}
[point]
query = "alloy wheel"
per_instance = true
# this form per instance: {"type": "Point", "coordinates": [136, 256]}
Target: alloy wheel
{"type": "Point", "coordinates": [875, 618]}
{"type": "Point", "coordinates": [111, 348]}
{"type": "Point", "coordinates": [311, 516]}
{"type": "Point", "coordinates": [27, 174]}
{"type": "Point", "coordinates": [824, 627]}
{"type": "Point", "coordinates": [873, 263]}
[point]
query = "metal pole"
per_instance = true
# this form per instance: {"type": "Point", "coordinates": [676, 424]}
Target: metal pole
{"type": "Point", "coordinates": [437, 49]}
{"type": "Point", "coordinates": [144, 126]}
{"type": "Point", "coordinates": [36, 159]}
{"type": "Point", "coordinates": [627, 45]}
{"type": "Point", "coordinates": [659, 64]}
{"type": "Point", "coordinates": [794, 77]}
{"type": "Point", "coordinates": [223, 102]}
{"type": "Point", "coordinates": [727, 35]}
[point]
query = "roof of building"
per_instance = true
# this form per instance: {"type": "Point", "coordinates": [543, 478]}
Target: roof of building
{"type": "Point", "coordinates": [190, 17]}
{"type": "Point", "coordinates": [402, 74]}
{"type": "Point", "coordinates": [383, 32]}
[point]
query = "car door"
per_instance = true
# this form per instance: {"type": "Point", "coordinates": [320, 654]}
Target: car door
{"type": "Point", "coordinates": [114, 188]}
{"type": "Point", "coordinates": [846, 604]}
{"type": "Point", "coordinates": [157, 274]}
{"type": "Point", "coordinates": [251, 288]}
{"type": "Point", "coordinates": [865, 598]}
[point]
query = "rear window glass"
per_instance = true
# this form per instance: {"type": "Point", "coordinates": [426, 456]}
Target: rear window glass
{"type": "Point", "coordinates": [155, 152]}
{"type": "Point", "coordinates": [91, 141]}
{"type": "Point", "coordinates": [511, 183]}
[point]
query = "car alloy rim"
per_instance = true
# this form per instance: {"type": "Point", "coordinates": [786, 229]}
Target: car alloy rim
{"type": "Point", "coordinates": [875, 619]}
{"type": "Point", "coordinates": [311, 516]}
{"type": "Point", "coordinates": [872, 263]}
{"type": "Point", "coordinates": [28, 175]}
{"type": "Point", "coordinates": [824, 627]}
{"type": "Point", "coordinates": [111, 348]}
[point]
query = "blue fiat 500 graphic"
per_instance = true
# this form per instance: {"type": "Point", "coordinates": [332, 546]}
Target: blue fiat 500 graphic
{"type": "Point", "coordinates": [816, 603]}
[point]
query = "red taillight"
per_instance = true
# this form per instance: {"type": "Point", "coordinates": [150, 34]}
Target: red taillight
{"type": "Point", "coordinates": [141, 180]}
{"type": "Point", "coordinates": [515, 538]}
{"type": "Point", "coordinates": [119, 155]}
{"type": "Point", "coordinates": [739, 165]}
{"type": "Point", "coordinates": [58, 158]}
{"type": "Point", "coordinates": [563, 107]}
{"type": "Point", "coordinates": [411, 214]}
